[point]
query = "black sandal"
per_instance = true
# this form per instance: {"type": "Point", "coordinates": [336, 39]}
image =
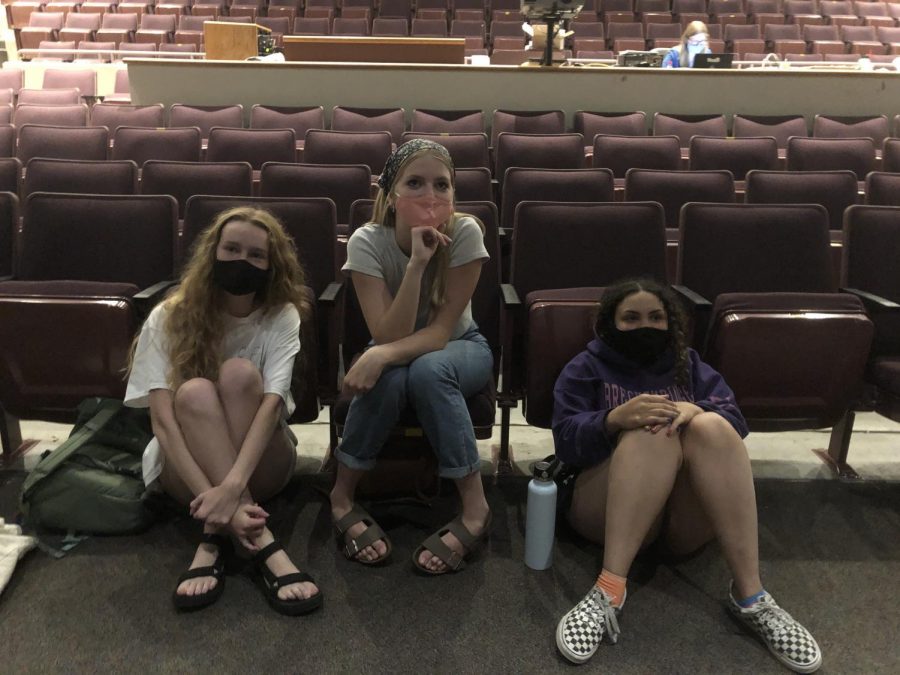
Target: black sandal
{"type": "Point", "coordinates": [216, 571]}
{"type": "Point", "coordinates": [271, 584]}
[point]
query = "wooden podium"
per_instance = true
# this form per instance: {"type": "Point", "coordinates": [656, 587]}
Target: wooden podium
{"type": "Point", "coordinates": [231, 41]}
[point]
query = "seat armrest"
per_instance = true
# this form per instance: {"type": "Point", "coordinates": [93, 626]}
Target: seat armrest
{"type": "Point", "coordinates": [694, 299]}
{"type": "Point", "coordinates": [148, 298]}
{"type": "Point", "coordinates": [699, 314]}
{"type": "Point", "coordinates": [873, 303]}
{"type": "Point", "coordinates": [510, 296]}
{"type": "Point", "coordinates": [331, 293]}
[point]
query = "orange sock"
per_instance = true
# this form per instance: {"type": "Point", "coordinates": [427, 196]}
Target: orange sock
{"type": "Point", "coordinates": [613, 585]}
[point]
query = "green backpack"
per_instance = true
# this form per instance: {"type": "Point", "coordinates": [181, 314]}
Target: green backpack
{"type": "Point", "coordinates": [93, 483]}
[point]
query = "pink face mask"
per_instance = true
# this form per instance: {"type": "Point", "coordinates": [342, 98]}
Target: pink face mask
{"type": "Point", "coordinates": [425, 211]}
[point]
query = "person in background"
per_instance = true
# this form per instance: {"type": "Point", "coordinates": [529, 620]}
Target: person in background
{"type": "Point", "coordinates": [694, 40]}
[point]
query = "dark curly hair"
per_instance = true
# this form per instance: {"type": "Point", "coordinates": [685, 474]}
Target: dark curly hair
{"type": "Point", "coordinates": [615, 294]}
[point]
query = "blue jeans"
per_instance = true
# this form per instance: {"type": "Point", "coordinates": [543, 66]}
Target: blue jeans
{"type": "Point", "coordinates": [435, 385]}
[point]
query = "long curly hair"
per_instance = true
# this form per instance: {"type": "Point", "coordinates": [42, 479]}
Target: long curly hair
{"type": "Point", "coordinates": [383, 214]}
{"type": "Point", "coordinates": [615, 294]}
{"type": "Point", "coordinates": [194, 325]}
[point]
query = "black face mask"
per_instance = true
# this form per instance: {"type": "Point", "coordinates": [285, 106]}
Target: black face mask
{"type": "Point", "coordinates": [641, 345]}
{"type": "Point", "coordinates": [239, 277]}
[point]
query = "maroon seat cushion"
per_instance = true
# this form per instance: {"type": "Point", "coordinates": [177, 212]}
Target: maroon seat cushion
{"type": "Point", "coordinates": [886, 374]}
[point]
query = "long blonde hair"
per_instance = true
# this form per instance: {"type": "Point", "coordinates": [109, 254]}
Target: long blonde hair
{"type": "Point", "coordinates": [690, 30]}
{"type": "Point", "coordinates": [383, 214]}
{"type": "Point", "coordinates": [194, 325]}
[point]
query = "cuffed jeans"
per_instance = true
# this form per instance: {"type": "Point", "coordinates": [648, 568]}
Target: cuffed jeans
{"type": "Point", "coordinates": [435, 385]}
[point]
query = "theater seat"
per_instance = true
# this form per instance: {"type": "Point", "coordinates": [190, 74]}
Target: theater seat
{"type": "Point", "coordinates": [777, 351]}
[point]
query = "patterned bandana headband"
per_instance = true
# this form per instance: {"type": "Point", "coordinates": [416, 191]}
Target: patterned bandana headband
{"type": "Point", "coordinates": [403, 153]}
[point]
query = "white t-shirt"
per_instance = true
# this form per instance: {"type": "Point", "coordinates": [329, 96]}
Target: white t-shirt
{"type": "Point", "coordinates": [373, 250]}
{"type": "Point", "coordinates": [270, 340]}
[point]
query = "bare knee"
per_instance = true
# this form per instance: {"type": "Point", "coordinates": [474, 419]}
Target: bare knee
{"type": "Point", "coordinates": [195, 398]}
{"type": "Point", "coordinates": [641, 440]}
{"type": "Point", "coordinates": [710, 432]}
{"type": "Point", "coordinates": [239, 377]}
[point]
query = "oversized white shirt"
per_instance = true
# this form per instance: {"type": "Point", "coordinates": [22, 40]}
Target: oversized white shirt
{"type": "Point", "coordinates": [268, 339]}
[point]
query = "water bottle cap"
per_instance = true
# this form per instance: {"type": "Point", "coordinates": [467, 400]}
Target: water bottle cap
{"type": "Point", "coordinates": [541, 471]}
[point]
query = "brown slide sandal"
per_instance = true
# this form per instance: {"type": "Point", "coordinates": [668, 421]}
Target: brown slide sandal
{"type": "Point", "coordinates": [453, 560]}
{"type": "Point", "coordinates": [351, 547]}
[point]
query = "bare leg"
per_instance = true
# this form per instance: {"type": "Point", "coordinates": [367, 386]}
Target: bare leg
{"type": "Point", "coordinates": [720, 473]}
{"type": "Point", "coordinates": [215, 418]}
{"type": "Point", "coordinates": [641, 475]}
{"type": "Point", "coordinates": [342, 496]}
{"type": "Point", "coordinates": [475, 512]}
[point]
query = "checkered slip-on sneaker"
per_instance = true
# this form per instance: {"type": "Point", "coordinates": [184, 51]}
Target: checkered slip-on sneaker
{"type": "Point", "coordinates": [788, 641]}
{"type": "Point", "coordinates": [581, 630]}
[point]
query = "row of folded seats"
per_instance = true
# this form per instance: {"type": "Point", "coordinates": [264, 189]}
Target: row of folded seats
{"type": "Point", "coordinates": [167, 31]}
{"type": "Point", "coordinates": [757, 280]}
{"type": "Point", "coordinates": [517, 138]}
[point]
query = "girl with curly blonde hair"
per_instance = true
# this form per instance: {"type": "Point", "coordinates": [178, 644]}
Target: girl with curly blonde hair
{"type": "Point", "coordinates": [214, 364]}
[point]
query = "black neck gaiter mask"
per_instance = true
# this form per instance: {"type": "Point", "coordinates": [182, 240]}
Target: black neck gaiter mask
{"type": "Point", "coordinates": [644, 346]}
{"type": "Point", "coordinates": [239, 277]}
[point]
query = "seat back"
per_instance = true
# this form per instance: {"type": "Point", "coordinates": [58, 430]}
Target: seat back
{"type": "Point", "coordinates": [141, 144]}
{"type": "Point", "coordinates": [341, 183]}
{"type": "Point", "coordinates": [129, 239]}
{"type": "Point", "coordinates": [883, 189]}
{"type": "Point", "coordinates": [392, 120]}
{"type": "Point", "coordinates": [527, 122]}
{"type": "Point", "coordinates": [753, 248]}
{"type": "Point", "coordinates": [539, 151]}
{"type": "Point", "coordinates": [183, 180]}
{"type": "Point", "coordinates": [553, 185]}
{"type": "Point", "coordinates": [55, 96]}
{"type": "Point", "coordinates": [473, 185]}
{"type": "Point", "coordinates": [835, 190]}
{"type": "Point", "coordinates": [781, 128]}
{"type": "Point", "coordinates": [674, 189]}
{"type": "Point", "coordinates": [447, 121]}
{"type": "Point", "coordinates": [348, 147]}
{"type": "Point", "coordinates": [686, 126]}
{"type": "Point", "coordinates": [831, 154]}
{"type": "Point", "coordinates": [206, 117]}
{"type": "Point", "coordinates": [589, 124]}
{"type": "Point", "coordinates": [80, 177]}
{"type": "Point", "coordinates": [871, 241]}
{"type": "Point", "coordinates": [83, 79]}
{"type": "Point", "coordinates": [566, 245]}
{"type": "Point", "coordinates": [876, 127]}
{"type": "Point", "coordinates": [38, 140]}
{"type": "Point", "coordinates": [71, 115]}
{"type": "Point", "coordinates": [9, 222]}
{"type": "Point", "coordinates": [467, 150]}
{"type": "Point", "coordinates": [737, 155]}
{"type": "Point", "coordinates": [255, 146]}
{"type": "Point", "coordinates": [300, 119]}
{"type": "Point", "coordinates": [620, 153]}
{"type": "Point", "coordinates": [115, 115]}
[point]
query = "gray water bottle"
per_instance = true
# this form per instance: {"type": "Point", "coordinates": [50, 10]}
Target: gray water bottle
{"type": "Point", "coordinates": [540, 518]}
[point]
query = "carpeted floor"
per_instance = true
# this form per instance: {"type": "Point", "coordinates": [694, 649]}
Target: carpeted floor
{"type": "Point", "coordinates": [830, 554]}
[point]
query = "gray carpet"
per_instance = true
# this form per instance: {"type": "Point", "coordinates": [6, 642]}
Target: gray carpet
{"type": "Point", "coordinates": [830, 554]}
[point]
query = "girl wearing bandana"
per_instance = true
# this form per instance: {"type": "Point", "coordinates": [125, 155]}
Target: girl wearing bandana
{"type": "Point", "coordinates": [654, 437]}
{"type": "Point", "coordinates": [694, 40]}
{"type": "Point", "coordinates": [414, 269]}
{"type": "Point", "coordinates": [213, 362]}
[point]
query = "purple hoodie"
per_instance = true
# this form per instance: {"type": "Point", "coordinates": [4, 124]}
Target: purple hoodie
{"type": "Point", "coordinates": [600, 379]}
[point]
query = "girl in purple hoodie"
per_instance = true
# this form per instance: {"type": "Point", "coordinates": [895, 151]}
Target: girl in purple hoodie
{"type": "Point", "coordinates": [655, 435]}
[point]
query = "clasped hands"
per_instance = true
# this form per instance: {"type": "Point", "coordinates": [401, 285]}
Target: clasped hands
{"type": "Point", "coordinates": [654, 412]}
{"type": "Point", "coordinates": [228, 506]}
